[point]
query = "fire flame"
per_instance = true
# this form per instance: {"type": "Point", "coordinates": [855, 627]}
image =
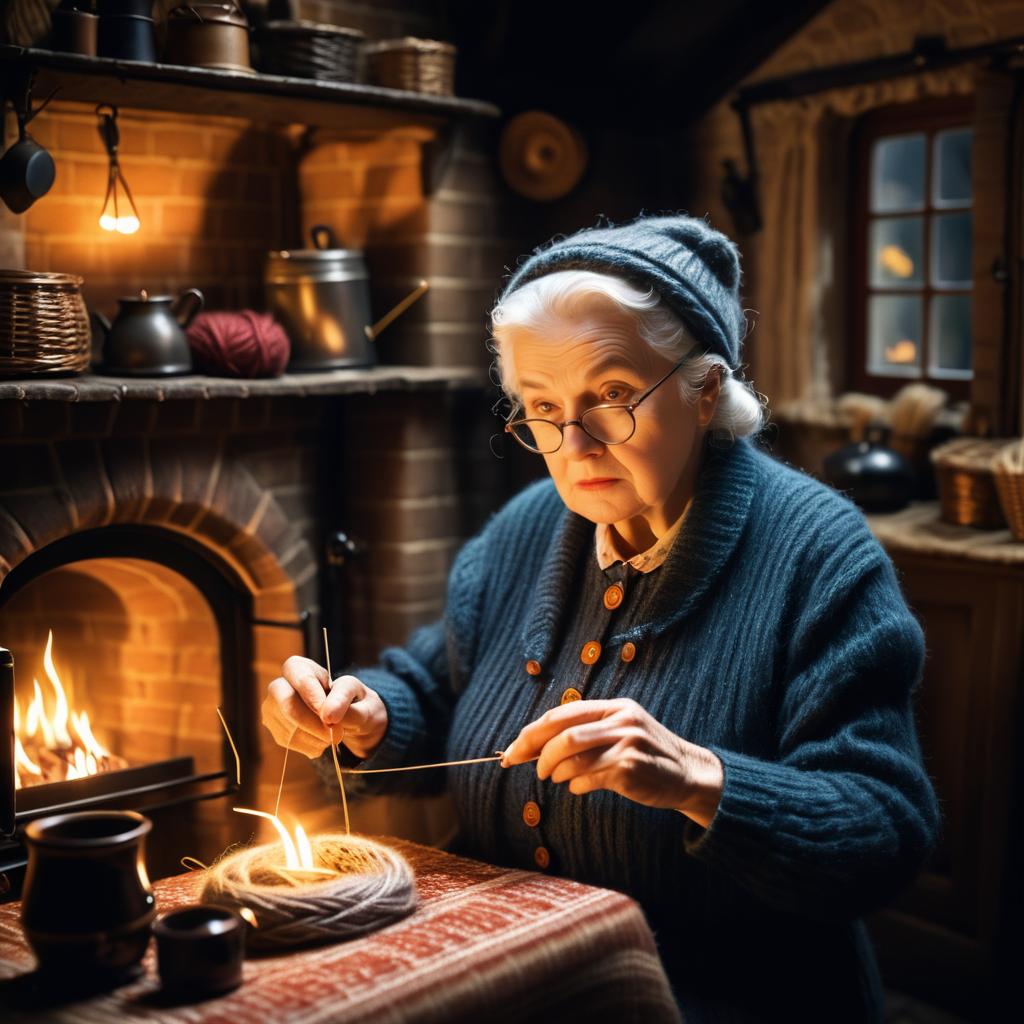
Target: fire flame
{"type": "Point", "coordinates": [58, 744]}
{"type": "Point", "coordinates": [298, 853]}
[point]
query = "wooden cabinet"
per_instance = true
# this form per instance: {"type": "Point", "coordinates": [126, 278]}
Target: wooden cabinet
{"type": "Point", "coordinates": [948, 937]}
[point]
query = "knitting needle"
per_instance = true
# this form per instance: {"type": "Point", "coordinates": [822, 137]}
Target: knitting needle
{"type": "Point", "coordinates": [441, 764]}
{"type": "Point", "coordinates": [339, 771]}
{"type": "Point", "coordinates": [334, 748]}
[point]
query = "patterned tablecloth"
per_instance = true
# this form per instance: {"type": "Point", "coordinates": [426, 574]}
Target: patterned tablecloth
{"type": "Point", "coordinates": [487, 944]}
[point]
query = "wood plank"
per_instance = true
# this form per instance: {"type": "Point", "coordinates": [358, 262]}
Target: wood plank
{"type": "Point", "coordinates": [272, 98]}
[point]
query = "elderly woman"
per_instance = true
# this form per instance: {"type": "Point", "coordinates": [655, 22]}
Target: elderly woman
{"type": "Point", "coordinates": [705, 652]}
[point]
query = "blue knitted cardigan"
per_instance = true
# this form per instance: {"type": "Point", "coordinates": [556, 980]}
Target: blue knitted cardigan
{"type": "Point", "coordinates": [778, 637]}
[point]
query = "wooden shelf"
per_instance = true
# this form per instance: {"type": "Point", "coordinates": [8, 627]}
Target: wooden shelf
{"type": "Point", "coordinates": [270, 98]}
{"type": "Point", "coordinates": [360, 380]}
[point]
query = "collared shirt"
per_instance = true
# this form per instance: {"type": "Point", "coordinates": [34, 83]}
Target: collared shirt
{"type": "Point", "coordinates": [646, 561]}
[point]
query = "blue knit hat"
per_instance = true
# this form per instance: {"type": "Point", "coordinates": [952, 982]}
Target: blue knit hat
{"type": "Point", "coordinates": [694, 268]}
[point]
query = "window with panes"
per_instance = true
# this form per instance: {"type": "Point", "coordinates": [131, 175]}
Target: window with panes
{"type": "Point", "coordinates": [913, 227]}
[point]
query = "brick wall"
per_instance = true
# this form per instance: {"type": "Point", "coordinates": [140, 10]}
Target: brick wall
{"type": "Point", "coordinates": [213, 197]}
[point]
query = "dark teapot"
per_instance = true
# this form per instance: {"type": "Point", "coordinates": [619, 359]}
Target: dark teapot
{"type": "Point", "coordinates": [147, 337]}
{"type": "Point", "coordinates": [877, 478]}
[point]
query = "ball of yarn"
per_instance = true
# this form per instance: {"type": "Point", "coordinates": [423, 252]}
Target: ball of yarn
{"type": "Point", "coordinates": [244, 344]}
{"type": "Point", "coordinates": [373, 887]}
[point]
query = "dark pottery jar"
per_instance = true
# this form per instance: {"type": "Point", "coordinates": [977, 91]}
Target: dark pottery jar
{"type": "Point", "coordinates": [200, 950]}
{"type": "Point", "coordinates": [874, 476]}
{"type": "Point", "coordinates": [88, 906]}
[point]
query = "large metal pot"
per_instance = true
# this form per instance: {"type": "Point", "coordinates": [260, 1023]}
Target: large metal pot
{"type": "Point", "coordinates": [321, 296]}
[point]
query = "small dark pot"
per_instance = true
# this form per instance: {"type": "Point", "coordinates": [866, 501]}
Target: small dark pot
{"type": "Point", "coordinates": [127, 38]}
{"type": "Point", "coordinates": [876, 478]}
{"type": "Point", "coordinates": [200, 951]}
{"type": "Point", "coordinates": [74, 31]}
{"type": "Point", "coordinates": [88, 906]}
{"type": "Point", "coordinates": [27, 173]}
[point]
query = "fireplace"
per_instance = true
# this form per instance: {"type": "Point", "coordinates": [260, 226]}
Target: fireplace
{"type": "Point", "coordinates": [172, 544]}
{"type": "Point", "coordinates": [128, 638]}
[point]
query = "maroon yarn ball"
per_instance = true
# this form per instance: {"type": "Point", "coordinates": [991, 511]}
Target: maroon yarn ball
{"type": "Point", "coordinates": [244, 344]}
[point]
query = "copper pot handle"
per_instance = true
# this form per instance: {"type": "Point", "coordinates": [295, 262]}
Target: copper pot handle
{"type": "Point", "coordinates": [418, 292]}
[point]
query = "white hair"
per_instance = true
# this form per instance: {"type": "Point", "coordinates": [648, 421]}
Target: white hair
{"type": "Point", "coordinates": [567, 293]}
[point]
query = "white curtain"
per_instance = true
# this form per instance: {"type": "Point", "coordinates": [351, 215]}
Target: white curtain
{"type": "Point", "coordinates": [787, 261]}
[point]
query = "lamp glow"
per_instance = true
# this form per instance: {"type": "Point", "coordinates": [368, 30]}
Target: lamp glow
{"type": "Point", "coordinates": [111, 217]}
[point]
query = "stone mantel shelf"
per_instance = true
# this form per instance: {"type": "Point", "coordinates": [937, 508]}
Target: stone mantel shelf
{"type": "Point", "coordinates": [361, 380]}
{"type": "Point", "coordinates": [194, 90]}
{"type": "Point", "coordinates": [919, 529]}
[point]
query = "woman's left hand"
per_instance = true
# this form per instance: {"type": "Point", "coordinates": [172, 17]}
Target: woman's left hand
{"type": "Point", "coordinates": [617, 745]}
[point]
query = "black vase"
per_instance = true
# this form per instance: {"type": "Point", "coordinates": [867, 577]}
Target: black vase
{"type": "Point", "coordinates": [875, 477]}
{"type": "Point", "coordinates": [88, 906]}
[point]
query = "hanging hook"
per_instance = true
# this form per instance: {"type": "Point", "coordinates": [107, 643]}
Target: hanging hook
{"type": "Point", "coordinates": [20, 95]}
{"type": "Point", "coordinates": [30, 114]}
{"type": "Point", "coordinates": [109, 132]}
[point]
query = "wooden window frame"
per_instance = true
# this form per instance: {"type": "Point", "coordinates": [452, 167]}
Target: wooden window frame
{"type": "Point", "coordinates": [929, 117]}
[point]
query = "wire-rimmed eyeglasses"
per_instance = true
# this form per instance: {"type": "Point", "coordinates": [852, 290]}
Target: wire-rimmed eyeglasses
{"type": "Point", "coordinates": [608, 423]}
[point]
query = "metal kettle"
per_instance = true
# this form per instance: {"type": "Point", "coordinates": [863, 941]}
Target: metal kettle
{"type": "Point", "coordinates": [321, 296]}
{"type": "Point", "coordinates": [147, 337]}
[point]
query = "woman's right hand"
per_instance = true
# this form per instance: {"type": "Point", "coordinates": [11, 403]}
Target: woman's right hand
{"type": "Point", "coordinates": [303, 705]}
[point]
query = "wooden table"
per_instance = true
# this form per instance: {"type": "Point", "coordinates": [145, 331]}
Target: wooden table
{"type": "Point", "coordinates": [487, 944]}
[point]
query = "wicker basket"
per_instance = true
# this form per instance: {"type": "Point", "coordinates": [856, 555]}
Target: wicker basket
{"type": "Point", "coordinates": [967, 489]}
{"type": "Point", "coordinates": [44, 326]}
{"type": "Point", "coordinates": [307, 49]}
{"type": "Point", "coordinates": [416, 65]}
{"type": "Point", "coordinates": [1008, 468]}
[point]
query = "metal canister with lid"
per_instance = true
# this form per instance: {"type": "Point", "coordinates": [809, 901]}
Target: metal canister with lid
{"type": "Point", "coordinates": [321, 296]}
{"type": "Point", "coordinates": [208, 34]}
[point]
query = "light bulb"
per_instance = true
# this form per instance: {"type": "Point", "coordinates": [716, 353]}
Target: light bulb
{"type": "Point", "coordinates": [108, 221]}
{"type": "Point", "coordinates": [127, 225]}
